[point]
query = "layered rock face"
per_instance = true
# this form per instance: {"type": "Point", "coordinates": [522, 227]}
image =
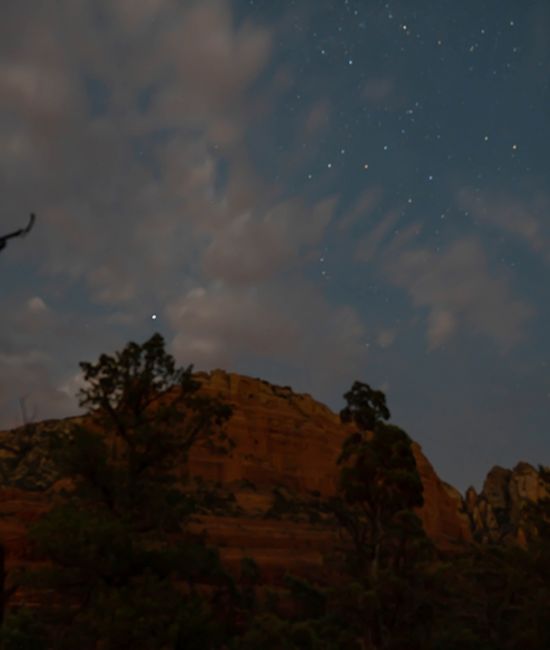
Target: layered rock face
{"type": "Point", "coordinates": [292, 441]}
{"type": "Point", "coordinates": [496, 513]}
{"type": "Point", "coordinates": [286, 446]}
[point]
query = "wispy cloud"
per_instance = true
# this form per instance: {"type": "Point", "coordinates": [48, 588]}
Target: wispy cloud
{"type": "Point", "coordinates": [130, 132]}
{"type": "Point", "coordinates": [292, 324]}
{"type": "Point", "coordinates": [250, 248]}
{"type": "Point", "coordinates": [526, 220]}
{"type": "Point", "coordinates": [454, 282]}
{"type": "Point", "coordinates": [459, 290]}
{"type": "Point", "coordinates": [318, 117]}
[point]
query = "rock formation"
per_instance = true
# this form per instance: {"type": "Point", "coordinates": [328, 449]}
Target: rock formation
{"type": "Point", "coordinates": [496, 514]}
{"type": "Point", "coordinates": [286, 446]}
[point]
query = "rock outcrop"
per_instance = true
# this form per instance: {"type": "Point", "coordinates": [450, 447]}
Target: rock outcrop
{"type": "Point", "coordinates": [496, 514]}
{"type": "Point", "coordinates": [286, 446]}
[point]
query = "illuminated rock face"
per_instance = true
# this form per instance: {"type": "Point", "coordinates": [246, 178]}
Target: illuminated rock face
{"type": "Point", "coordinates": [496, 513]}
{"type": "Point", "coordinates": [285, 443]}
{"type": "Point", "coordinates": [283, 438]}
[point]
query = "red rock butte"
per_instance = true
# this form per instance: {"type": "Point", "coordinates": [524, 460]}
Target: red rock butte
{"type": "Point", "coordinates": [282, 440]}
{"type": "Point", "coordinates": [289, 439]}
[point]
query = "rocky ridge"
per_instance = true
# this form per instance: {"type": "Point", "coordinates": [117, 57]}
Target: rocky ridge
{"type": "Point", "coordinates": [286, 446]}
{"type": "Point", "coordinates": [496, 513]}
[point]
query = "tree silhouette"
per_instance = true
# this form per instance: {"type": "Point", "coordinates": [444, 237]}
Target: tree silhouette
{"type": "Point", "coordinates": [118, 541]}
{"type": "Point", "coordinates": [17, 233]}
{"type": "Point", "coordinates": [379, 487]}
{"type": "Point", "coordinates": [5, 592]}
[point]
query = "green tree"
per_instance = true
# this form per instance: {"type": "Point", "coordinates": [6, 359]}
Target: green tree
{"type": "Point", "coordinates": [123, 564]}
{"type": "Point", "coordinates": [379, 484]}
{"type": "Point", "coordinates": [379, 487]}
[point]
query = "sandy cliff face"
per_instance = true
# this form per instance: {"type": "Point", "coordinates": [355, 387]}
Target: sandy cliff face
{"type": "Point", "coordinates": [286, 445]}
{"type": "Point", "coordinates": [496, 513]}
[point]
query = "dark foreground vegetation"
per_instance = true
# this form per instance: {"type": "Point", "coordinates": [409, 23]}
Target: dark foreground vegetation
{"type": "Point", "coordinates": [124, 571]}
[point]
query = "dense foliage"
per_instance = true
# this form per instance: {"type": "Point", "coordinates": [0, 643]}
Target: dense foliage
{"type": "Point", "coordinates": [114, 565]}
{"type": "Point", "coordinates": [125, 572]}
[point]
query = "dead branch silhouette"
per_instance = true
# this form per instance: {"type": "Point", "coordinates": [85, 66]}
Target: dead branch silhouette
{"type": "Point", "coordinates": [17, 233]}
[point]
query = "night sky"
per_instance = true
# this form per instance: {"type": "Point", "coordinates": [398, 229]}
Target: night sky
{"type": "Point", "coordinates": [310, 192]}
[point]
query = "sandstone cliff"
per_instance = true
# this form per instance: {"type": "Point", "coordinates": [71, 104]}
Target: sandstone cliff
{"type": "Point", "coordinates": [496, 514]}
{"type": "Point", "coordinates": [286, 446]}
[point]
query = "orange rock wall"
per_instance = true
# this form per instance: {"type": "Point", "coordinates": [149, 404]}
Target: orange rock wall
{"type": "Point", "coordinates": [282, 439]}
{"type": "Point", "coordinates": [292, 440]}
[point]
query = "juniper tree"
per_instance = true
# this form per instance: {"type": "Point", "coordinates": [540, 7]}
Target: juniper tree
{"type": "Point", "coordinates": [118, 539]}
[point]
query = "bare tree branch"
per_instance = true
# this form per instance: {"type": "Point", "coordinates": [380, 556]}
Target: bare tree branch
{"type": "Point", "coordinates": [18, 233]}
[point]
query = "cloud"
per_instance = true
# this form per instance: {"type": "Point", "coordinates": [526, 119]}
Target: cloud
{"type": "Point", "coordinates": [250, 250]}
{"type": "Point", "coordinates": [455, 284]}
{"type": "Point", "coordinates": [72, 385]}
{"type": "Point", "coordinates": [36, 305]}
{"type": "Point", "coordinates": [318, 117]}
{"type": "Point", "coordinates": [137, 15]}
{"type": "Point", "coordinates": [217, 326]}
{"type": "Point", "coordinates": [35, 87]}
{"type": "Point", "coordinates": [194, 65]}
{"type": "Point", "coordinates": [523, 219]}
{"type": "Point", "coordinates": [458, 289]}
{"type": "Point", "coordinates": [367, 202]}
{"type": "Point", "coordinates": [28, 376]}
{"type": "Point", "coordinates": [368, 246]}
{"type": "Point", "coordinates": [111, 285]}
{"type": "Point", "coordinates": [378, 90]}
{"type": "Point", "coordinates": [441, 326]}
{"type": "Point", "coordinates": [386, 337]}
{"type": "Point", "coordinates": [385, 93]}
{"type": "Point", "coordinates": [152, 202]}
{"type": "Point", "coordinates": [37, 355]}
{"type": "Point", "coordinates": [207, 62]}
